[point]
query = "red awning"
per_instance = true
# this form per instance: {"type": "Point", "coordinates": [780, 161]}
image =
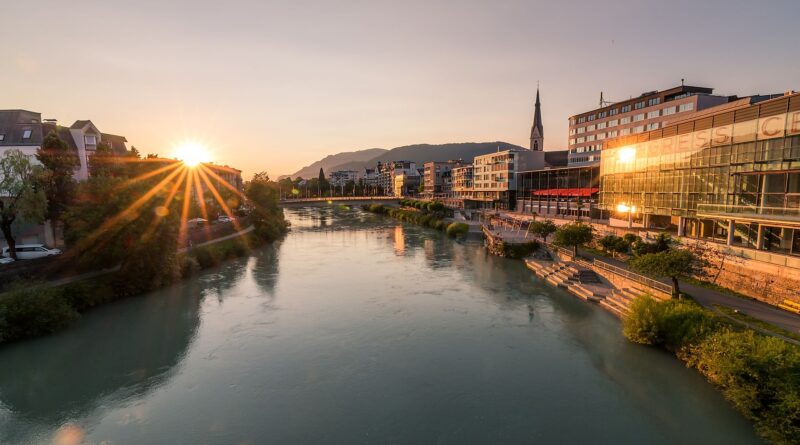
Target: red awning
{"type": "Point", "coordinates": [583, 192]}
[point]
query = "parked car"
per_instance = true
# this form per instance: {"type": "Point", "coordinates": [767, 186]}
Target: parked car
{"type": "Point", "coordinates": [224, 219]}
{"type": "Point", "coordinates": [31, 251]}
{"type": "Point", "coordinates": [4, 260]}
{"type": "Point", "coordinates": [196, 222]}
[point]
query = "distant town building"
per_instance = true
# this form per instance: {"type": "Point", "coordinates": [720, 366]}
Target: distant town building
{"type": "Point", "coordinates": [389, 170]}
{"type": "Point", "coordinates": [437, 179]}
{"type": "Point", "coordinates": [407, 183]}
{"type": "Point", "coordinates": [341, 178]}
{"type": "Point", "coordinates": [649, 111]}
{"type": "Point", "coordinates": [232, 176]}
{"type": "Point", "coordinates": [462, 182]}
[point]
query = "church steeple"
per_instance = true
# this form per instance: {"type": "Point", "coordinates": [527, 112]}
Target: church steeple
{"type": "Point", "coordinates": [537, 132]}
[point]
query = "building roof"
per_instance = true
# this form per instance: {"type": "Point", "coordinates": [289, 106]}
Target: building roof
{"type": "Point", "coordinates": [664, 94]}
{"type": "Point", "coordinates": [62, 132]}
{"type": "Point", "coordinates": [13, 124]}
{"type": "Point", "coordinates": [80, 124]}
{"type": "Point", "coordinates": [116, 143]}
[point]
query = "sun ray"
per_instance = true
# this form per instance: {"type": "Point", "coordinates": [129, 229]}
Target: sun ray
{"type": "Point", "coordinates": [222, 203]}
{"type": "Point", "coordinates": [124, 214]}
{"type": "Point", "coordinates": [187, 199]}
{"type": "Point", "coordinates": [143, 176]}
{"type": "Point", "coordinates": [163, 210]}
{"type": "Point", "coordinates": [201, 200]}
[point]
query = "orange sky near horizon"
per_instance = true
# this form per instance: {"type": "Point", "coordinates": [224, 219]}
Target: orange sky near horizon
{"type": "Point", "coordinates": [276, 85]}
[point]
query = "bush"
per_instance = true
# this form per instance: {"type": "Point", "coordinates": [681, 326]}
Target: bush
{"type": "Point", "coordinates": [457, 229]}
{"type": "Point", "coordinates": [31, 310]}
{"type": "Point", "coordinates": [83, 295]}
{"type": "Point", "coordinates": [519, 250]}
{"type": "Point", "coordinates": [758, 374]}
{"type": "Point", "coordinates": [613, 244]}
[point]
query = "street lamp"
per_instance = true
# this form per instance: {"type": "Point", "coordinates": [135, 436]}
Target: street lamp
{"type": "Point", "coordinates": [630, 210]}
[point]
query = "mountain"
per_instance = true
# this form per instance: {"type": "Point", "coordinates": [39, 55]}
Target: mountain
{"type": "Point", "coordinates": [329, 162]}
{"type": "Point", "coordinates": [419, 153]}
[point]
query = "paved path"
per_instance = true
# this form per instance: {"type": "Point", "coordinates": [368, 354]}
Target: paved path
{"type": "Point", "coordinates": [709, 297]}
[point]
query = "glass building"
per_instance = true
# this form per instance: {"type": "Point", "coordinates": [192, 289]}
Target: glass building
{"type": "Point", "coordinates": [569, 192]}
{"type": "Point", "coordinates": [730, 174]}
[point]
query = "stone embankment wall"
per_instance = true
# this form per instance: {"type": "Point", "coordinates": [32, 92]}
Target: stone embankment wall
{"type": "Point", "coordinates": [765, 282]}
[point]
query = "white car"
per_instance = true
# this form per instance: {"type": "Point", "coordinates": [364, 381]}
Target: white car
{"type": "Point", "coordinates": [224, 219]}
{"type": "Point", "coordinates": [4, 260]}
{"type": "Point", "coordinates": [31, 251]}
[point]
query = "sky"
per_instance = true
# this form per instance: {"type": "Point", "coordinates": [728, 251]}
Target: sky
{"type": "Point", "coordinates": [276, 85]}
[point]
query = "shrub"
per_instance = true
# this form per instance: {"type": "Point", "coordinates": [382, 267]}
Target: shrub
{"type": "Point", "coordinates": [83, 295]}
{"type": "Point", "coordinates": [519, 250]}
{"type": "Point", "coordinates": [613, 244]}
{"type": "Point", "coordinates": [31, 310]}
{"type": "Point", "coordinates": [457, 229]}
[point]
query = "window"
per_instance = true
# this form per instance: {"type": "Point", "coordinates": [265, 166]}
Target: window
{"type": "Point", "coordinates": [572, 141]}
{"type": "Point", "coordinates": [581, 140]}
{"type": "Point", "coordinates": [626, 108]}
{"type": "Point", "coordinates": [639, 105]}
{"type": "Point", "coordinates": [601, 136]}
{"type": "Point", "coordinates": [653, 126]}
{"type": "Point", "coordinates": [591, 117]}
{"type": "Point", "coordinates": [26, 134]}
{"type": "Point", "coordinates": [613, 134]}
{"type": "Point", "coordinates": [601, 125]}
{"type": "Point", "coordinates": [581, 130]}
{"type": "Point", "coordinates": [590, 138]}
{"type": "Point", "coordinates": [601, 114]}
{"type": "Point", "coordinates": [90, 139]}
{"type": "Point", "coordinates": [625, 120]}
{"type": "Point", "coordinates": [652, 114]}
{"type": "Point", "coordinates": [2, 137]}
{"type": "Point", "coordinates": [638, 117]}
{"type": "Point", "coordinates": [590, 128]}
{"type": "Point", "coordinates": [655, 101]}
{"type": "Point", "coordinates": [668, 111]}
{"type": "Point", "coordinates": [625, 132]}
{"type": "Point", "coordinates": [638, 129]}
{"type": "Point", "coordinates": [613, 112]}
{"type": "Point", "coordinates": [613, 123]}
{"type": "Point", "coordinates": [581, 120]}
{"type": "Point", "coordinates": [686, 107]}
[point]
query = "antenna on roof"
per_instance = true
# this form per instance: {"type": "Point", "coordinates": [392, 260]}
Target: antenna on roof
{"type": "Point", "coordinates": [682, 79]}
{"type": "Point", "coordinates": [601, 98]}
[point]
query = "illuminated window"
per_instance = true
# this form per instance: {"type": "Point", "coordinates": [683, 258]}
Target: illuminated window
{"type": "Point", "coordinates": [613, 123]}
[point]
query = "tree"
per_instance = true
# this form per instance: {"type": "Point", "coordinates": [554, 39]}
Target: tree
{"type": "Point", "coordinates": [321, 176]}
{"type": "Point", "coordinates": [58, 178]}
{"type": "Point", "coordinates": [574, 234]}
{"type": "Point", "coordinates": [543, 229]}
{"type": "Point", "coordinates": [20, 194]}
{"type": "Point", "coordinates": [614, 244]}
{"type": "Point", "coordinates": [669, 263]}
{"type": "Point", "coordinates": [267, 216]}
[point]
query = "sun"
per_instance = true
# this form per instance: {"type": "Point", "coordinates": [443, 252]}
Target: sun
{"type": "Point", "coordinates": [192, 153]}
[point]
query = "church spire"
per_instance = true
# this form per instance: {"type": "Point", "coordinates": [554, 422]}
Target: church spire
{"type": "Point", "coordinates": [537, 131]}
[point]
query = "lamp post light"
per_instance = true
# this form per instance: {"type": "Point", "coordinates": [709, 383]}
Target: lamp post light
{"type": "Point", "coordinates": [630, 210]}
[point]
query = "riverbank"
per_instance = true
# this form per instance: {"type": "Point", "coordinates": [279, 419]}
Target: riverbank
{"type": "Point", "coordinates": [758, 374]}
{"type": "Point", "coordinates": [428, 214]}
{"type": "Point", "coordinates": [30, 309]}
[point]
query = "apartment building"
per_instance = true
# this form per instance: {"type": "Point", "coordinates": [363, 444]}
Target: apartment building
{"type": "Point", "coordinates": [438, 179]}
{"type": "Point", "coordinates": [341, 178]}
{"type": "Point", "coordinates": [494, 176]}
{"type": "Point", "coordinates": [650, 111]}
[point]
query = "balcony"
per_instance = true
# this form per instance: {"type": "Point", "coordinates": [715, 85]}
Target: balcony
{"type": "Point", "coordinates": [750, 212]}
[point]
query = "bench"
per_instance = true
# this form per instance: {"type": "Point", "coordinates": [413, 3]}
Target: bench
{"type": "Point", "coordinates": [790, 306]}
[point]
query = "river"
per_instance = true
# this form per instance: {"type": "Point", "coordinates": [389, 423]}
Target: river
{"type": "Point", "coordinates": [356, 329]}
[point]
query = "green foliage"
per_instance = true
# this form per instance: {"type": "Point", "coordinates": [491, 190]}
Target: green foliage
{"type": "Point", "coordinates": [457, 229]}
{"type": "Point", "coordinates": [31, 310]}
{"type": "Point", "coordinates": [574, 234]}
{"type": "Point", "coordinates": [83, 295]}
{"type": "Point", "coordinates": [662, 243]}
{"type": "Point", "coordinates": [122, 216]}
{"type": "Point", "coordinates": [518, 250]}
{"type": "Point", "coordinates": [669, 263]}
{"type": "Point", "coordinates": [757, 373]}
{"type": "Point", "coordinates": [57, 179]}
{"type": "Point", "coordinates": [543, 228]}
{"type": "Point", "coordinates": [631, 238]}
{"type": "Point", "coordinates": [267, 216]}
{"type": "Point", "coordinates": [421, 218]}
{"type": "Point", "coordinates": [215, 254]}
{"type": "Point", "coordinates": [21, 196]}
{"type": "Point", "coordinates": [614, 244]}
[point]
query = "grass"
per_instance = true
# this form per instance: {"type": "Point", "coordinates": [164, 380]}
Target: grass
{"type": "Point", "coordinates": [756, 322]}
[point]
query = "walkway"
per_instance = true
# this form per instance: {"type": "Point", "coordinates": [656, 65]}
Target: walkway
{"type": "Point", "coordinates": [709, 297]}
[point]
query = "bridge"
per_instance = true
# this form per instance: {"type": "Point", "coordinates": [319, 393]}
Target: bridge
{"type": "Point", "coordinates": [343, 200]}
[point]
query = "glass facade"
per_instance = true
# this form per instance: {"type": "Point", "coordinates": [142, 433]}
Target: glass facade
{"type": "Point", "coordinates": [739, 165]}
{"type": "Point", "coordinates": [559, 192]}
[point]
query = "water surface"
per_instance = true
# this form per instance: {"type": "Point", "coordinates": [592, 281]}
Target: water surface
{"type": "Point", "coordinates": [356, 329]}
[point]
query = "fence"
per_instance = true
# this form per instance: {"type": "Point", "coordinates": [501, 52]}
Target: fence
{"type": "Point", "coordinates": [641, 279]}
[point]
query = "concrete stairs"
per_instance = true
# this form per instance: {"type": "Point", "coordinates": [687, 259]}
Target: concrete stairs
{"type": "Point", "coordinates": [619, 301]}
{"type": "Point", "coordinates": [582, 283]}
